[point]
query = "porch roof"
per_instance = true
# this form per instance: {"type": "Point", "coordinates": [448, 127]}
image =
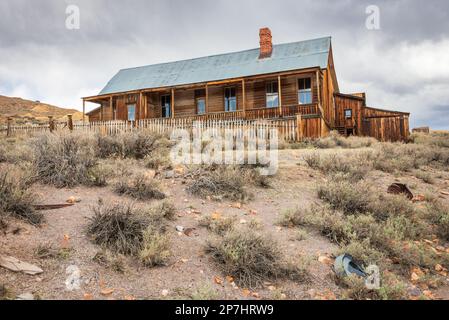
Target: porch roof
{"type": "Point", "coordinates": [285, 57]}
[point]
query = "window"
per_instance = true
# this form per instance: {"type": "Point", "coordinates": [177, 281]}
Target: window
{"type": "Point", "coordinates": [348, 113]}
{"type": "Point", "coordinates": [305, 91]}
{"type": "Point", "coordinates": [131, 112]}
{"type": "Point", "coordinates": [272, 94]}
{"type": "Point", "coordinates": [166, 106]}
{"type": "Point", "coordinates": [200, 106]}
{"type": "Point", "coordinates": [230, 99]}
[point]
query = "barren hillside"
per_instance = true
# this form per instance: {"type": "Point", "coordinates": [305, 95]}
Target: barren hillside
{"type": "Point", "coordinates": [32, 111]}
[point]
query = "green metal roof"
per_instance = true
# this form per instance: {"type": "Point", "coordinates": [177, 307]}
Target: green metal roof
{"type": "Point", "coordinates": [285, 57]}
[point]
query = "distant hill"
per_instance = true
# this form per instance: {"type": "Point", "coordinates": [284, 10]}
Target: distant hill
{"type": "Point", "coordinates": [23, 111]}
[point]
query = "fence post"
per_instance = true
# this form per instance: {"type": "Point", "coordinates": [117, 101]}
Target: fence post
{"type": "Point", "coordinates": [70, 122]}
{"type": "Point", "coordinates": [299, 132]}
{"type": "Point", "coordinates": [51, 124]}
{"type": "Point", "coordinates": [8, 127]}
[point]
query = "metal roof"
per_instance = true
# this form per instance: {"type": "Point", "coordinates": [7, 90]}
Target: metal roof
{"type": "Point", "coordinates": [285, 57]}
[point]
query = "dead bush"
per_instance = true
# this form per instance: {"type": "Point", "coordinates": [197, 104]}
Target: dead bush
{"type": "Point", "coordinates": [109, 146]}
{"type": "Point", "coordinates": [252, 258]}
{"type": "Point", "coordinates": [334, 139]}
{"type": "Point", "coordinates": [437, 213]}
{"type": "Point", "coordinates": [425, 176]}
{"type": "Point", "coordinates": [64, 160]}
{"type": "Point", "coordinates": [166, 210]}
{"type": "Point", "coordinates": [16, 199]}
{"type": "Point", "coordinates": [388, 205]}
{"type": "Point", "coordinates": [155, 248]}
{"type": "Point", "coordinates": [15, 151]}
{"type": "Point", "coordinates": [118, 227]}
{"type": "Point", "coordinates": [223, 182]}
{"type": "Point", "coordinates": [291, 218]}
{"type": "Point", "coordinates": [125, 230]}
{"type": "Point", "coordinates": [342, 195]}
{"type": "Point", "coordinates": [391, 289]}
{"type": "Point", "coordinates": [110, 260]}
{"type": "Point", "coordinates": [220, 225]}
{"type": "Point", "coordinates": [140, 144]}
{"type": "Point", "coordinates": [139, 187]}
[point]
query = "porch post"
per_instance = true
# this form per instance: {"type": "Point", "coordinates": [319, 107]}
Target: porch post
{"type": "Point", "coordinates": [101, 111]}
{"type": "Point", "coordinates": [145, 106]}
{"type": "Point", "coordinates": [110, 107]}
{"type": "Point", "coordinates": [207, 99]}
{"type": "Point", "coordinates": [244, 97]}
{"type": "Point", "coordinates": [172, 103]}
{"type": "Point", "coordinates": [84, 110]}
{"type": "Point", "coordinates": [140, 104]}
{"type": "Point", "coordinates": [280, 95]}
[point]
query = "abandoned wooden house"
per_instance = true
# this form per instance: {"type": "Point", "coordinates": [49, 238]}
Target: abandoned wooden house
{"type": "Point", "coordinates": [270, 82]}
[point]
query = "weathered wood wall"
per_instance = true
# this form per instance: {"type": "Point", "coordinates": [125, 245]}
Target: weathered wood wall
{"type": "Point", "coordinates": [356, 104]}
{"type": "Point", "coordinates": [391, 128]}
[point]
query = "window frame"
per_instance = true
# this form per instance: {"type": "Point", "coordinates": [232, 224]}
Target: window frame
{"type": "Point", "coordinates": [165, 100]}
{"type": "Point", "coordinates": [344, 112]}
{"type": "Point", "coordinates": [197, 100]}
{"type": "Point", "coordinates": [304, 90]}
{"type": "Point", "coordinates": [227, 99]}
{"type": "Point", "coordinates": [133, 105]}
{"type": "Point", "coordinates": [274, 93]}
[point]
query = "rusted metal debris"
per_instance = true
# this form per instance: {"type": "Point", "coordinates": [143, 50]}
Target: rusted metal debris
{"type": "Point", "coordinates": [40, 207]}
{"type": "Point", "coordinates": [399, 188]}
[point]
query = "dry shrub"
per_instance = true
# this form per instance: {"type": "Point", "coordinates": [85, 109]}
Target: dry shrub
{"type": "Point", "coordinates": [219, 226]}
{"type": "Point", "coordinates": [437, 213]}
{"type": "Point", "coordinates": [352, 167]}
{"type": "Point", "coordinates": [391, 289]}
{"type": "Point", "coordinates": [291, 218]}
{"type": "Point", "coordinates": [387, 205]}
{"type": "Point", "coordinates": [348, 197]}
{"type": "Point", "coordinates": [204, 292]}
{"type": "Point", "coordinates": [65, 160]}
{"type": "Point", "coordinates": [336, 140]}
{"type": "Point", "coordinates": [166, 210]}
{"type": "Point", "coordinates": [125, 230]}
{"type": "Point", "coordinates": [16, 199]}
{"type": "Point", "coordinates": [139, 187]}
{"type": "Point", "coordinates": [158, 160]}
{"type": "Point", "coordinates": [252, 258]}
{"type": "Point", "coordinates": [109, 146]}
{"type": "Point", "coordinates": [155, 248]}
{"type": "Point", "coordinates": [110, 260]}
{"type": "Point", "coordinates": [15, 151]}
{"type": "Point", "coordinates": [47, 251]}
{"type": "Point", "coordinates": [118, 227]}
{"type": "Point", "coordinates": [425, 176]}
{"type": "Point", "coordinates": [223, 182]}
{"type": "Point", "coordinates": [438, 139]}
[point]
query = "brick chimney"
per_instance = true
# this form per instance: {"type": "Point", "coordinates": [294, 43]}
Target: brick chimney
{"type": "Point", "coordinates": [266, 46]}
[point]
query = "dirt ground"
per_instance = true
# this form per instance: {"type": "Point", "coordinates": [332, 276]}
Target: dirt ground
{"type": "Point", "coordinates": [189, 267]}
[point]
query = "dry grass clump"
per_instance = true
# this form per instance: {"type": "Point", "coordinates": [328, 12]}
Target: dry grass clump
{"type": "Point", "coordinates": [125, 230]}
{"type": "Point", "coordinates": [291, 218]}
{"type": "Point", "coordinates": [334, 139]}
{"type": "Point", "coordinates": [427, 177]}
{"type": "Point", "coordinates": [15, 150]}
{"type": "Point", "coordinates": [220, 225]}
{"type": "Point", "coordinates": [353, 167]}
{"type": "Point", "coordinates": [16, 199]}
{"type": "Point", "coordinates": [166, 209]}
{"type": "Point", "coordinates": [65, 160]}
{"type": "Point", "coordinates": [222, 182]}
{"type": "Point", "coordinates": [110, 260]}
{"type": "Point", "coordinates": [438, 139]}
{"type": "Point", "coordinates": [348, 197]}
{"type": "Point", "coordinates": [390, 205]}
{"type": "Point", "coordinates": [135, 145]}
{"type": "Point", "coordinates": [117, 227]}
{"type": "Point", "coordinates": [437, 214]}
{"type": "Point", "coordinates": [47, 251]}
{"type": "Point", "coordinates": [139, 187]}
{"type": "Point", "coordinates": [391, 289]}
{"type": "Point", "coordinates": [252, 258]}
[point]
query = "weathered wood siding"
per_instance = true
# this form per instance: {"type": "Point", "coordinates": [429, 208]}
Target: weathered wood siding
{"type": "Point", "coordinates": [356, 104]}
{"type": "Point", "coordinates": [392, 128]}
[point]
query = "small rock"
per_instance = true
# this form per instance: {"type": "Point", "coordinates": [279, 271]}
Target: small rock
{"type": "Point", "coordinates": [243, 221]}
{"type": "Point", "coordinates": [439, 267]}
{"type": "Point", "coordinates": [150, 174]}
{"type": "Point", "coordinates": [73, 281]}
{"type": "Point", "coordinates": [169, 174]}
{"type": "Point", "coordinates": [25, 296]}
{"type": "Point", "coordinates": [164, 293]}
{"type": "Point", "coordinates": [325, 260]}
{"type": "Point", "coordinates": [180, 228]}
{"type": "Point", "coordinates": [73, 199]}
{"type": "Point", "coordinates": [414, 292]}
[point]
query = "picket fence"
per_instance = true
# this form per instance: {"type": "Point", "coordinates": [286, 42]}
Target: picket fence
{"type": "Point", "coordinates": [288, 129]}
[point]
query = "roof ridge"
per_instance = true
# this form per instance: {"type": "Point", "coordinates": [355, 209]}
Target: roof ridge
{"type": "Point", "coordinates": [227, 53]}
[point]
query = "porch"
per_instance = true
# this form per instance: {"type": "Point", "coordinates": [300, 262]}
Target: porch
{"type": "Point", "coordinates": [265, 97]}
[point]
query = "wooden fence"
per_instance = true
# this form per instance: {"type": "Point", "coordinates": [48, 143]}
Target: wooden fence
{"type": "Point", "coordinates": [289, 129]}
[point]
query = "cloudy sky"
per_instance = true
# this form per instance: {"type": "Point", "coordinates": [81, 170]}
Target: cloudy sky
{"type": "Point", "coordinates": [404, 65]}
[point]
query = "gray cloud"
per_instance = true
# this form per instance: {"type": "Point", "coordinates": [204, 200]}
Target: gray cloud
{"type": "Point", "coordinates": [404, 65]}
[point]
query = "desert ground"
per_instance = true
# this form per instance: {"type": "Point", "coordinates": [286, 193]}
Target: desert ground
{"type": "Point", "coordinates": [140, 228]}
